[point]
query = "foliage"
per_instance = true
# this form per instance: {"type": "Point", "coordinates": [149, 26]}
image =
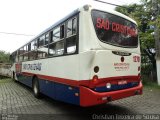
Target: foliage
{"type": "Point", "coordinates": [143, 15]}
{"type": "Point", "coordinates": [150, 84]}
{"type": "Point", "coordinates": [4, 57]}
{"type": "Point", "coordinates": [4, 80]}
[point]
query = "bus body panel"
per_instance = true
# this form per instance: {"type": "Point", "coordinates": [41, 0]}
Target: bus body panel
{"type": "Point", "coordinates": [109, 64]}
{"type": "Point", "coordinates": [55, 90]}
{"type": "Point", "coordinates": [59, 67]}
{"type": "Point", "coordinates": [54, 83]}
{"type": "Point", "coordinates": [61, 92]}
{"type": "Point", "coordinates": [89, 97]}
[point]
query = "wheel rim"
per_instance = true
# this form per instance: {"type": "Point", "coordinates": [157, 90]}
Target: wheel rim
{"type": "Point", "coordinates": [35, 88]}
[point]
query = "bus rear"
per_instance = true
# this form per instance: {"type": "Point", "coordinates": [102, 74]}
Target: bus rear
{"type": "Point", "coordinates": [90, 57]}
{"type": "Point", "coordinates": [113, 64]}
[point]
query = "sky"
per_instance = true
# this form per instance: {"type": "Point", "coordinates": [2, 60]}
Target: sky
{"type": "Point", "coordinates": [31, 17]}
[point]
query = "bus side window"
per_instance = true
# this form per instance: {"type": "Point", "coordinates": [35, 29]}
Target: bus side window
{"type": "Point", "coordinates": [56, 49]}
{"type": "Point", "coordinates": [47, 39]}
{"type": "Point", "coordinates": [71, 36]}
{"type": "Point", "coordinates": [52, 49]}
{"type": "Point", "coordinates": [25, 54]}
{"type": "Point", "coordinates": [56, 34]}
{"type": "Point", "coordinates": [16, 59]}
{"type": "Point", "coordinates": [20, 58]}
{"type": "Point", "coordinates": [41, 41]}
{"type": "Point", "coordinates": [13, 57]}
{"type": "Point", "coordinates": [74, 26]}
{"type": "Point", "coordinates": [32, 53]}
{"type": "Point", "coordinates": [20, 54]}
{"type": "Point", "coordinates": [69, 28]}
{"type": "Point", "coordinates": [36, 44]}
{"type": "Point", "coordinates": [29, 47]}
{"type": "Point", "coordinates": [59, 48]}
{"type": "Point", "coordinates": [42, 50]}
{"type": "Point", "coordinates": [71, 45]}
{"type": "Point", "coordinates": [62, 31]}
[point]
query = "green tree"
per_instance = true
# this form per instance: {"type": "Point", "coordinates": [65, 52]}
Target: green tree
{"type": "Point", "coordinates": [4, 57]}
{"type": "Point", "coordinates": [143, 15]}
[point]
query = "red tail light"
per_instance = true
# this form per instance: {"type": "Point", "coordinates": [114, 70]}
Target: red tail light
{"type": "Point", "coordinates": [95, 79]}
{"type": "Point", "coordinates": [139, 76]}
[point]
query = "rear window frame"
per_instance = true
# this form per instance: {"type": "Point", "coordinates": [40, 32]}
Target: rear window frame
{"type": "Point", "coordinates": [92, 17]}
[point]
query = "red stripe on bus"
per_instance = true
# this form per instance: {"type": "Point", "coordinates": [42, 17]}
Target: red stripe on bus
{"type": "Point", "coordinates": [54, 79]}
{"type": "Point", "coordinates": [87, 83]}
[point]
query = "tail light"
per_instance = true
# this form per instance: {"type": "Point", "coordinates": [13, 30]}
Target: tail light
{"type": "Point", "coordinates": [95, 79]}
{"type": "Point", "coordinates": [139, 76]}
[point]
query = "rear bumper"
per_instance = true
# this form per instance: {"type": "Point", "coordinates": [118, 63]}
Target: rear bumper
{"type": "Point", "coordinates": [89, 97]}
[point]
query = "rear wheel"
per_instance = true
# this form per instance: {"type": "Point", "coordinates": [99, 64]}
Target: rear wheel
{"type": "Point", "coordinates": [13, 77]}
{"type": "Point", "coordinates": [35, 87]}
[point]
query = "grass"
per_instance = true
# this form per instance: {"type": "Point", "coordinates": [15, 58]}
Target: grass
{"type": "Point", "coordinates": [150, 84]}
{"type": "Point", "coordinates": [5, 79]}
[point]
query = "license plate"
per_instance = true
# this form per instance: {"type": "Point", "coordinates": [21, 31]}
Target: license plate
{"type": "Point", "coordinates": [122, 82]}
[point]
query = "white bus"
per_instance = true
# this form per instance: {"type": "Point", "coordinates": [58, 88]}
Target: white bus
{"type": "Point", "coordinates": [90, 57]}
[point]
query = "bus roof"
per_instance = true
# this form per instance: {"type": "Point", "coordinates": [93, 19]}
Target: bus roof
{"type": "Point", "coordinates": [57, 23]}
{"type": "Point", "coordinates": [76, 12]}
{"type": "Point", "coordinates": [52, 26]}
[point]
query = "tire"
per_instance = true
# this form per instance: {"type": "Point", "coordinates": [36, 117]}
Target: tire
{"type": "Point", "coordinates": [35, 87]}
{"type": "Point", "coordinates": [13, 77]}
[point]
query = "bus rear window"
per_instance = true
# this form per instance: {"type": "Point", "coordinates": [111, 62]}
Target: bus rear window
{"type": "Point", "coordinates": [115, 30]}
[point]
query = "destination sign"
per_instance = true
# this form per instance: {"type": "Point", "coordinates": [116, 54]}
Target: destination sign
{"type": "Point", "coordinates": [105, 24]}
